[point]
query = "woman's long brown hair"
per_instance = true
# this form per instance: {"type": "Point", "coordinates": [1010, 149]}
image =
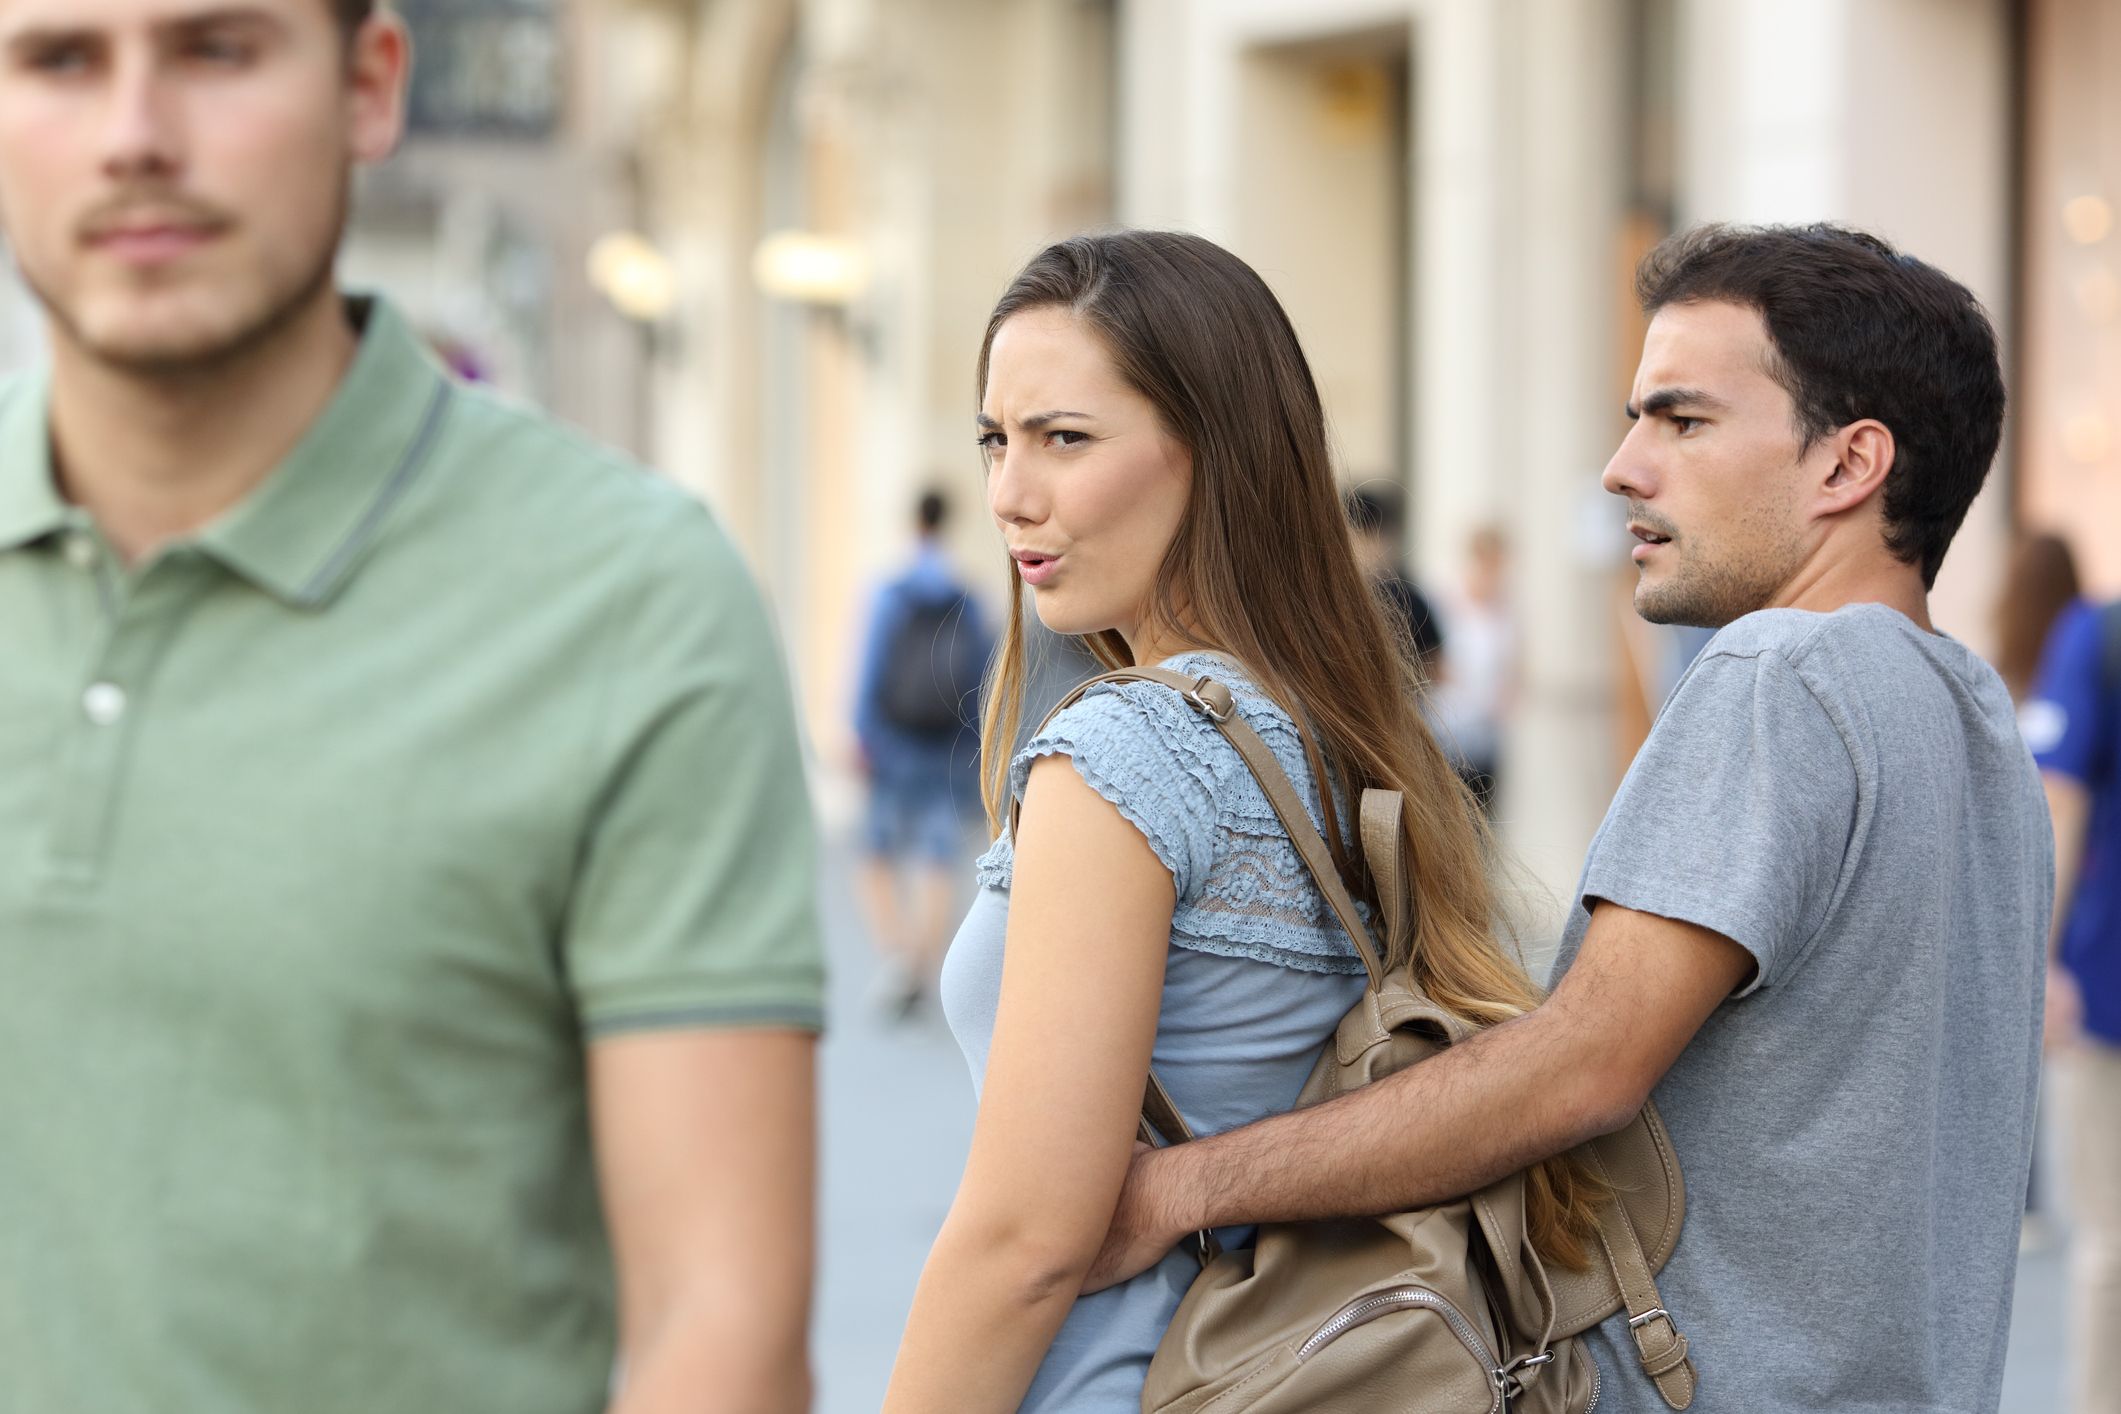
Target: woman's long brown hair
{"type": "Point", "coordinates": [2038, 586]}
{"type": "Point", "coordinates": [1264, 569]}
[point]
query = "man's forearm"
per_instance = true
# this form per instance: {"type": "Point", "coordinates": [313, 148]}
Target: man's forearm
{"type": "Point", "coordinates": [1454, 1123]}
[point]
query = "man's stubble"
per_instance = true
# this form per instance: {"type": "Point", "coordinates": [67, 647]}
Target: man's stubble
{"type": "Point", "coordinates": [279, 308]}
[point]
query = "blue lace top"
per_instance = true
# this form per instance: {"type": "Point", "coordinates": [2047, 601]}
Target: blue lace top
{"type": "Point", "coordinates": [1257, 975]}
{"type": "Point", "coordinates": [1243, 890]}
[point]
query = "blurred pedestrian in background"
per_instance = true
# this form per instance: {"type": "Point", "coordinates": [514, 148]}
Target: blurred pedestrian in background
{"type": "Point", "coordinates": [2073, 723]}
{"type": "Point", "coordinates": [2039, 583]}
{"type": "Point", "coordinates": [916, 703]}
{"type": "Point", "coordinates": [407, 908]}
{"type": "Point", "coordinates": [1472, 702]}
{"type": "Point", "coordinates": [1377, 510]}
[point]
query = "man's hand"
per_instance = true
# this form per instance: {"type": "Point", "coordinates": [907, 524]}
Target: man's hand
{"type": "Point", "coordinates": [1138, 1239]}
{"type": "Point", "coordinates": [2065, 1009]}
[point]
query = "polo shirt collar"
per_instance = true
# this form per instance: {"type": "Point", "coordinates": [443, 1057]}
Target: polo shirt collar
{"type": "Point", "coordinates": [30, 505]}
{"type": "Point", "coordinates": [301, 533]}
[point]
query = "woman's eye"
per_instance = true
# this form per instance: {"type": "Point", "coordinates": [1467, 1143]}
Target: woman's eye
{"type": "Point", "coordinates": [1065, 438]}
{"type": "Point", "coordinates": [991, 442]}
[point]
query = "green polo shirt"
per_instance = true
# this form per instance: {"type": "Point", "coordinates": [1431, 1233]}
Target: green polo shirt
{"type": "Point", "coordinates": [329, 838]}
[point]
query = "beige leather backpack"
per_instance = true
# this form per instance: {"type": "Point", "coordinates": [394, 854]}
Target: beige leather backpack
{"type": "Point", "coordinates": [1434, 1311]}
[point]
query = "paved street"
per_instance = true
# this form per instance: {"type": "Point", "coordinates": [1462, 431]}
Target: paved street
{"type": "Point", "coordinates": [897, 1117]}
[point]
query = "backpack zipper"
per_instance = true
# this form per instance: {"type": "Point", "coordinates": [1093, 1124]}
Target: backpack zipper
{"type": "Point", "coordinates": [1401, 1298]}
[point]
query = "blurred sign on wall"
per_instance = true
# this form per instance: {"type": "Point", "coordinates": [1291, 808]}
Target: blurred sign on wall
{"type": "Point", "coordinates": [485, 68]}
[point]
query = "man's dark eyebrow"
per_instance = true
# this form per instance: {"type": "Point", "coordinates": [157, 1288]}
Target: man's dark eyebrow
{"type": "Point", "coordinates": [1666, 399]}
{"type": "Point", "coordinates": [51, 36]}
{"type": "Point", "coordinates": [228, 14]}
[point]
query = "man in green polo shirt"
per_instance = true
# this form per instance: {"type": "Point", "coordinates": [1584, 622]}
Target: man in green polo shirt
{"type": "Point", "coordinates": [408, 970]}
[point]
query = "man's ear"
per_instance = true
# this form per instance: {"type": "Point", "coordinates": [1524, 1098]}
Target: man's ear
{"type": "Point", "coordinates": [1863, 458]}
{"type": "Point", "coordinates": [378, 70]}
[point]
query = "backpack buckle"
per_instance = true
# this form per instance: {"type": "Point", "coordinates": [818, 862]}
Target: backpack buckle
{"type": "Point", "coordinates": [1211, 699]}
{"type": "Point", "coordinates": [1509, 1382]}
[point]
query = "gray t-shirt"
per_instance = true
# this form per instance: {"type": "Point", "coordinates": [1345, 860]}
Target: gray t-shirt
{"type": "Point", "coordinates": [1846, 797]}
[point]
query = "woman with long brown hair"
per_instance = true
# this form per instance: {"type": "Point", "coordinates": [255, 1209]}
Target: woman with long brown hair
{"type": "Point", "coordinates": [2039, 583]}
{"type": "Point", "coordinates": [1157, 465]}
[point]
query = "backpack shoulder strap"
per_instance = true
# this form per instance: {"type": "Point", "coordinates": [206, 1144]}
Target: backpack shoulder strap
{"type": "Point", "coordinates": [1659, 1346]}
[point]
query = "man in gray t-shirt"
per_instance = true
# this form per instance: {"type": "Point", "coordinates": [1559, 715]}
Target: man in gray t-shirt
{"type": "Point", "coordinates": [1814, 921]}
{"type": "Point", "coordinates": [1847, 798]}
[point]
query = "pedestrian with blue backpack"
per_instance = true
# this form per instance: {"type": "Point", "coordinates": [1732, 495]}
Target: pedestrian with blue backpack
{"type": "Point", "coordinates": [2073, 724]}
{"type": "Point", "coordinates": [916, 707]}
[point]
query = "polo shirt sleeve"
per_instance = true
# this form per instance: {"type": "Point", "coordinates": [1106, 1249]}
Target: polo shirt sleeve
{"type": "Point", "coordinates": [2067, 721]}
{"type": "Point", "coordinates": [695, 900]}
{"type": "Point", "coordinates": [1737, 815]}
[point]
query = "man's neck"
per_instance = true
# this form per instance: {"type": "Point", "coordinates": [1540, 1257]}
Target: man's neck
{"type": "Point", "coordinates": [1825, 585]}
{"type": "Point", "coordinates": [154, 458]}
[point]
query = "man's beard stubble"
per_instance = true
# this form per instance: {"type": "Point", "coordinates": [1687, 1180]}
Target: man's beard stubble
{"type": "Point", "coordinates": [280, 310]}
{"type": "Point", "coordinates": [1710, 594]}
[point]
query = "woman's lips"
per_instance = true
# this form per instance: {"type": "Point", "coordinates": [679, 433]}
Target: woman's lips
{"type": "Point", "coordinates": [1037, 569]}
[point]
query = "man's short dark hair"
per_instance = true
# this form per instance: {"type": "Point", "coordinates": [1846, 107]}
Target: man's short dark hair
{"type": "Point", "coordinates": [1377, 508]}
{"type": "Point", "coordinates": [353, 13]}
{"type": "Point", "coordinates": [1860, 331]}
{"type": "Point", "coordinates": [931, 511]}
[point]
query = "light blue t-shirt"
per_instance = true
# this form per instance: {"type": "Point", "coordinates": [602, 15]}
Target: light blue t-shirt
{"type": "Point", "coordinates": [1257, 976]}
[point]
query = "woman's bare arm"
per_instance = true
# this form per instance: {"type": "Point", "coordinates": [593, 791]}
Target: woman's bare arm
{"type": "Point", "coordinates": [1089, 920]}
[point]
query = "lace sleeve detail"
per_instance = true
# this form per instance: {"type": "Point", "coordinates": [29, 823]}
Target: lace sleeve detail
{"type": "Point", "coordinates": [1133, 744]}
{"type": "Point", "coordinates": [1242, 888]}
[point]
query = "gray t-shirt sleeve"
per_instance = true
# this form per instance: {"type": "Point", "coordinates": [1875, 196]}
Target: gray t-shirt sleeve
{"type": "Point", "coordinates": [1737, 814]}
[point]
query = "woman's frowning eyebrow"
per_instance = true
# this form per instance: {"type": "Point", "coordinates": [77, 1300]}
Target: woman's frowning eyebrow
{"type": "Point", "coordinates": [1035, 421]}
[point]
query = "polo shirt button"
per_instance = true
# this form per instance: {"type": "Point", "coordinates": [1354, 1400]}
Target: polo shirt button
{"type": "Point", "coordinates": [81, 550]}
{"type": "Point", "coordinates": [104, 703]}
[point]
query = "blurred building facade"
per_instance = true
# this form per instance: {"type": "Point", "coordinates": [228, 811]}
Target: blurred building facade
{"type": "Point", "coordinates": [518, 158]}
{"type": "Point", "coordinates": [1450, 196]}
{"type": "Point", "coordinates": [2068, 431]}
{"type": "Point", "coordinates": [755, 242]}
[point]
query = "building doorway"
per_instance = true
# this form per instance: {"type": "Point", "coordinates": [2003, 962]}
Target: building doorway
{"type": "Point", "coordinates": [1323, 212]}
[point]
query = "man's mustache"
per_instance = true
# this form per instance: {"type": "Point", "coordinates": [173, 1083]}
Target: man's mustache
{"type": "Point", "coordinates": [1651, 521]}
{"type": "Point", "coordinates": [127, 209]}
